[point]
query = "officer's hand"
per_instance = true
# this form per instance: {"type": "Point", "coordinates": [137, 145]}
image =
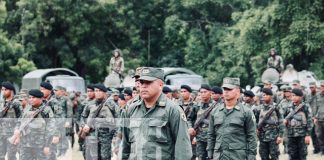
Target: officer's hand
{"type": "Point", "coordinates": [307, 140]}
{"type": "Point", "coordinates": [191, 131]}
{"type": "Point", "coordinates": [86, 129]}
{"type": "Point", "coordinates": [17, 132]}
{"type": "Point", "coordinates": [279, 140]}
{"type": "Point", "coordinates": [46, 151]}
{"type": "Point", "coordinates": [315, 121]}
{"type": "Point", "coordinates": [56, 140]}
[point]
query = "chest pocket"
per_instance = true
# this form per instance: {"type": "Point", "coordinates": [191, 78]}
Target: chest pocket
{"type": "Point", "coordinates": [299, 120]}
{"type": "Point", "coordinates": [134, 126]}
{"type": "Point", "coordinates": [236, 125]}
{"type": "Point", "coordinates": [157, 131]}
{"type": "Point", "coordinates": [58, 109]}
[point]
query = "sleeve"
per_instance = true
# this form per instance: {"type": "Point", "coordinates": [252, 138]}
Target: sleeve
{"type": "Point", "coordinates": [309, 120]}
{"type": "Point", "coordinates": [251, 137]}
{"type": "Point", "coordinates": [211, 136]}
{"type": "Point", "coordinates": [179, 133]}
{"type": "Point", "coordinates": [85, 113]}
{"type": "Point", "coordinates": [51, 129]}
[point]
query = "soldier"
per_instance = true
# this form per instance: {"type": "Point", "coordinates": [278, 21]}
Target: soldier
{"type": "Point", "coordinates": [232, 131]}
{"type": "Point", "coordinates": [116, 63]}
{"type": "Point", "coordinates": [312, 100]}
{"type": "Point", "coordinates": [10, 110]}
{"type": "Point", "coordinates": [38, 135]}
{"type": "Point", "coordinates": [167, 91]}
{"type": "Point", "coordinates": [100, 126]}
{"type": "Point", "coordinates": [187, 104]}
{"type": "Point", "coordinates": [128, 94]}
{"type": "Point", "coordinates": [270, 127]}
{"type": "Point", "coordinates": [23, 99]}
{"type": "Point", "coordinates": [47, 89]}
{"type": "Point", "coordinates": [275, 61]}
{"type": "Point", "coordinates": [217, 94]}
{"type": "Point", "coordinates": [319, 117]}
{"type": "Point", "coordinates": [64, 118]}
{"type": "Point", "coordinates": [85, 109]}
{"type": "Point", "coordinates": [200, 120]}
{"type": "Point", "coordinates": [298, 122]}
{"type": "Point", "coordinates": [157, 126]}
{"type": "Point", "coordinates": [284, 103]}
{"type": "Point", "coordinates": [248, 99]}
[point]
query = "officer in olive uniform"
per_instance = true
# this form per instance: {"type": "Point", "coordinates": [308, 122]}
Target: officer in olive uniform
{"type": "Point", "coordinates": [101, 125]}
{"type": "Point", "coordinates": [299, 126]}
{"type": "Point", "coordinates": [201, 113]}
{"type": "Point", "coordinates": [319, 117]}
{"type": "Point", "coordinates": [232, 131]}
{"type": "Point", "coordinates": [156, 126]}
{"type": "Point", "coordinates": [312, 100]}
{"type": "Point", "coordinates": [270, 127]}
{"type": "Point", "coordinates": [37, 137]}
{"type": "Point", "coordinates": [10, 112]}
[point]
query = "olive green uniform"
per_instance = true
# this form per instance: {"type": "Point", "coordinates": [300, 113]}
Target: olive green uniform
{"type": "Point", "coordinates": [156, 133]}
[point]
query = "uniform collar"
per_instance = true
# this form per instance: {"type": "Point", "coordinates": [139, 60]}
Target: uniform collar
{"type": "Point", "coordinates": [161, 102]}
{"type": "Point", "coordinates": [237, 106]}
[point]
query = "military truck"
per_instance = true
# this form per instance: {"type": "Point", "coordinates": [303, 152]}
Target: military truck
{"type": "Point", "coordinates": [57, 77]}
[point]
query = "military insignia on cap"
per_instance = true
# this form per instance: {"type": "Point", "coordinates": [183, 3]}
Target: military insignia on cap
{"type": "Point", "coordinates": [183, 117]}
{"type": "Point", "coordinates": [145, 71]}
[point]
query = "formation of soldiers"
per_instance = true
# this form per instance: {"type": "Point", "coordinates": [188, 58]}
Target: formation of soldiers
{"type": "Point", "coordinates": [150, 121]}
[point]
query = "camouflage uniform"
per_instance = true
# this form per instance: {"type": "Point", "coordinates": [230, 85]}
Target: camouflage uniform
{"type": "Point", "coordinates": [38, 134]}
{"type": "Point", "coordinates": [98, 143]}
{"type": "Point", "coordinates": [116, 65]}
{"type": "Point", "coordinates": [7, 126]}
{"type": "Point", "coordinates": [201, 136]}
{"type": "Point", "coordinates": [157, 133]}
{"type": "Point", "coordinates": [298, 127]}
{"type": "Point", "coordinates": [231, 133]}
{"type": "Point", "coordinates": [272, 129]}
{"type": "Point", "coordinates": [276, 63]}
{"type": "Point", "coordinates": [319, 115]}
{"type": "Point", "coordinates": [83, 119]}
{"type": "Point", "coordinates": [312, 100]}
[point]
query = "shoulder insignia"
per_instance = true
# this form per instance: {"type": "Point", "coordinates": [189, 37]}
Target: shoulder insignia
{"type": "Point", "coordinates": [183, 116]}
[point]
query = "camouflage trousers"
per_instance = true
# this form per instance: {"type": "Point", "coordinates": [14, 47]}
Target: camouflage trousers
{"type": "Point", "coordinates": [99, 147]}
{"type": "Point", "coordinates": [297, 149]}
{"type": "Point", "coordinates": [32, 153]}
{"type": "Point", "coordinates": [7, 148]}
{"type": "Point", "coordinates": [320, 134]}
{"type": "Point", "coordinates": [269, 149]}
{"type": "Point", "coordinates": [202, 153]}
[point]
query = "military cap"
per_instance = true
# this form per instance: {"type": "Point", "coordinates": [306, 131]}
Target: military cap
{"type": "Point", "coordinates": [128, 91]}
{"type": "Point", "coordinates": [151, 74]}
{"type": "Point", "coordinates": [166, 90]}
{"type": "Point", "coordinates": [186, 87]}
{"type": "Point", "coordinates": [285, 88]}
{"type": "Point", "coordinates": [8, 85]}
{"type": "Point", "coordinates": [36, 93]}
{"type": "Point", "coordinates": [312, 84]}
{"type": "Point", "coordinates": [267, 82]}
{"type": "Point", "coordinates": [231, 83]}
{"type": "Point", "coordinates": [46, 85]}
{"type": "Point", "coordinates": [297, 92]}
{"type": "Point", "coordinates": [249, 94]}
{"type": "Point", "coordinates": [21, 96]}
{"type": "Point", "coordinates": [90, 86]}
{"type": "Point", "coordinates": [59, 88]}
{"type": "Point", "coordinates": [267, 91]}
{"type": "Point", "coordinates": [217, 90]}
{"type": "Point", "coordinates": [137, 72]}
{"type": "Point", "coordinates": [114, 92]}
{"type": "Point", "coordinates": [205, 86]}
{"type": "Point", "coordinates": [100, 87]}
{"type": "Point", "coordinates": [121, 96]}
{"type": "Point", "coordinates": [322, 82]}
{"type": "Point", "coordinates": [296, 81]}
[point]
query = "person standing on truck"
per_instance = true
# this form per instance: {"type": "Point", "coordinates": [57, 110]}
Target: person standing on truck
{"type": "Point", "coordinates": [116, 63]}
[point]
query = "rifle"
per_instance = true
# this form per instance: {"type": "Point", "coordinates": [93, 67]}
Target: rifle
{"type": "Point", "coordinates": [201, 120]}
{"type": "Point", "coordinates": [292, 113]}
{"type": "Point", "coordinates": [264, 120]}
{"type": "Point", "coordinates": [23, 126]}
{"type": "Point", "coordinates": [120, 75]}
{"type": "Point", "coordinates": [83, 134]}
{"type": "Point", "coordinates": [5, 110]}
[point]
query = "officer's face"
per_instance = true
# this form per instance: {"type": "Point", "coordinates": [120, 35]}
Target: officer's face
{"type": "Point", "coordinates": [231, 94]}
{"type": "Point", "coordinates": [45, 91]}
{"type": "Point", "coordinates": [99, 94]}
{"type": "Point", "coordinates": [205, 94]}
{"type": "Point", "coordinates": [296, 99]}
{"type": "Point", "coordinates": [90, 93]}
{"type": "Point", "coordinates": [34, 101]}
{"type": "Point", "coordinates": [185, 94]}
{"type": "Point", "coordinates": [150, 89]}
